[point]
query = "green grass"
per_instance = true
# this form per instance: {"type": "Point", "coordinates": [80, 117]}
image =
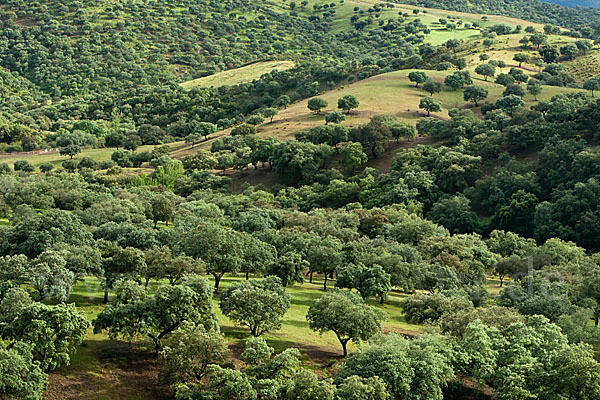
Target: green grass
{"type": "Point", "coordinates": [53, 157]}
{"type": "Point", "coordinates": [239, 75]}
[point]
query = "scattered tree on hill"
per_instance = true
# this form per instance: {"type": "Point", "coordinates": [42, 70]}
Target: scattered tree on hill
{"type": "Point", "coordinates": [70, 150]}
{"type": "Point", "coordinates": [374, 137]}
{"type": "Point", "coordinates": [430, 105]}
{"type": "Point", "coordinates": [348, 102]}
{"type": "Point", "coordinates": [519, 75]}
{"type": "Point", "coordinates": [475, 94]}
{"type": "Point", "coordinates": [20, 376]}
{"type": "Point", "coordinates": [334, 117]}
{"type": "Point", "coordinates": [417, 77]}
{"type": "Point", "coordinates": [23, 165]}
{"type": "Point", "coordinates": [218, 247]}
{"type": "Point", "coordinates": [514, 89]}
{"type": "Point", "coordinates": [432, 87]}
{"type": "Point", "coordinates": [550, 54]}
{"type": "Point", "coordinates": [193, 138]}
{"type": "Point", "coordinates": [254, 120]}
{"type": "Point", "coordinates": [270, 113]}
{"type": "Point", "coordinates": [206, 129]}
{"type": "Point", "coordinates": [317, 104]}
{"type": "Point", "coordinates": [345, 314]}
{"type": "Point", "coordinates": [289, 268]}
{"type": "Point", "coordinates": [521, 58]}
{"type": "Point", "coordinates": [283, 101]}
{"type": "Point", "coordinates": [402, 363]}
{"type": "Point", "coordinates": [510, 103]}
{"type": "Point", "coordinates": [454, 81]}
{"type": "Point", "coordinates": [569, 50]}
{"type": "Point", "coordinates": [402, 130]}
{"type": "Point", "coordinates": [460, 63]}
{"type": "Point", "coordinates": [257, 304]}
{"type": "Point", "coordinates": [534, 87]}
{"type": "Point", "coordinates": [538, 39]}
{"type": "Point", "coordinates": [486, 70]}
{"type": "Point", "coordinates": [452, 44]}
{"type": "Point", "coordinates": [505, 79]}
{"type": "Point", "coordinates": [46, 167]}
{"type": "Point", "coordinates": [114, 139]}
{"type": "Point", "coordinates": [592, 85]}
{"type": "Point", "coordinates": [51, 332]}
{"type": "Point", "coordinates": [584, 45]}
{"type": "Point", "coordinates": [355, 387]}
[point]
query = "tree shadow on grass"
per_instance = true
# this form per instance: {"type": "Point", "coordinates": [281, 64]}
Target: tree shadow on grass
{"type": "Point", "coordinates": [107, 369]}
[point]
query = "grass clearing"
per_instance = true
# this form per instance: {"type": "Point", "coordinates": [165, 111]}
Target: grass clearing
{"type": "Point", "coordinates": [240, 75]}
{"type": "Point", "coordinates": [107, 369]}
{"type": "Point", "coordinates": [390, 93]}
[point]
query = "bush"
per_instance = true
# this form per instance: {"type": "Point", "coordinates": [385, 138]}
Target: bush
{"type": "Point", "coordinates": [87, 162]}
{"type": "Point", "coordinates": [122, 158]}
{"type": "Point", "coordinates": [23, 165]}
{"type": "Point", "coordinates": [5, 169]}
{"type": "Point", "coordinates": [46, 167]}
{"type": "Point", "coordinates": [106, 164]}
{"type": "Point", "coordinates": [243, 130]}
{"type": "Point", "coordinates": [13, 148]}
{"type": "Point", "coordinates": [69, 165]}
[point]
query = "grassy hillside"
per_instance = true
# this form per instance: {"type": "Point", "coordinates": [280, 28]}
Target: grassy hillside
{"type": "Point", "coordinates": [240, 75]}
{"type": "Point", "coordinates": [391, 94]}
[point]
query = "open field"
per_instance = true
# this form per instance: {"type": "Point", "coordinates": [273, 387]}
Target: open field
{"type": "Point", "coordinates": [239, 75]}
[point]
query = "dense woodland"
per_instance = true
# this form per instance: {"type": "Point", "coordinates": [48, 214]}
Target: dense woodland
{"type": "Point", "coordinates": [169, 250]}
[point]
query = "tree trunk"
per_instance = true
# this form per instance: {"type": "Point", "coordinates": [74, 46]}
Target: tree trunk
{"type": "Point", "coordinates": [381, 300]}
{"type": "Point", "coordinates": [325, 283]}
{"type": "Point", "coordinates": [310, 279]}
{"type": "Point", "coordinates": [501, 279]}
{"type": "Point", "coordinates": [344, 343]}
{"type": "Point", "coordinates": [217, 281]}
{"type": "Point", "coordinates": [105, 295]}
{"type": "Point", "coordinates": [247, 275]}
